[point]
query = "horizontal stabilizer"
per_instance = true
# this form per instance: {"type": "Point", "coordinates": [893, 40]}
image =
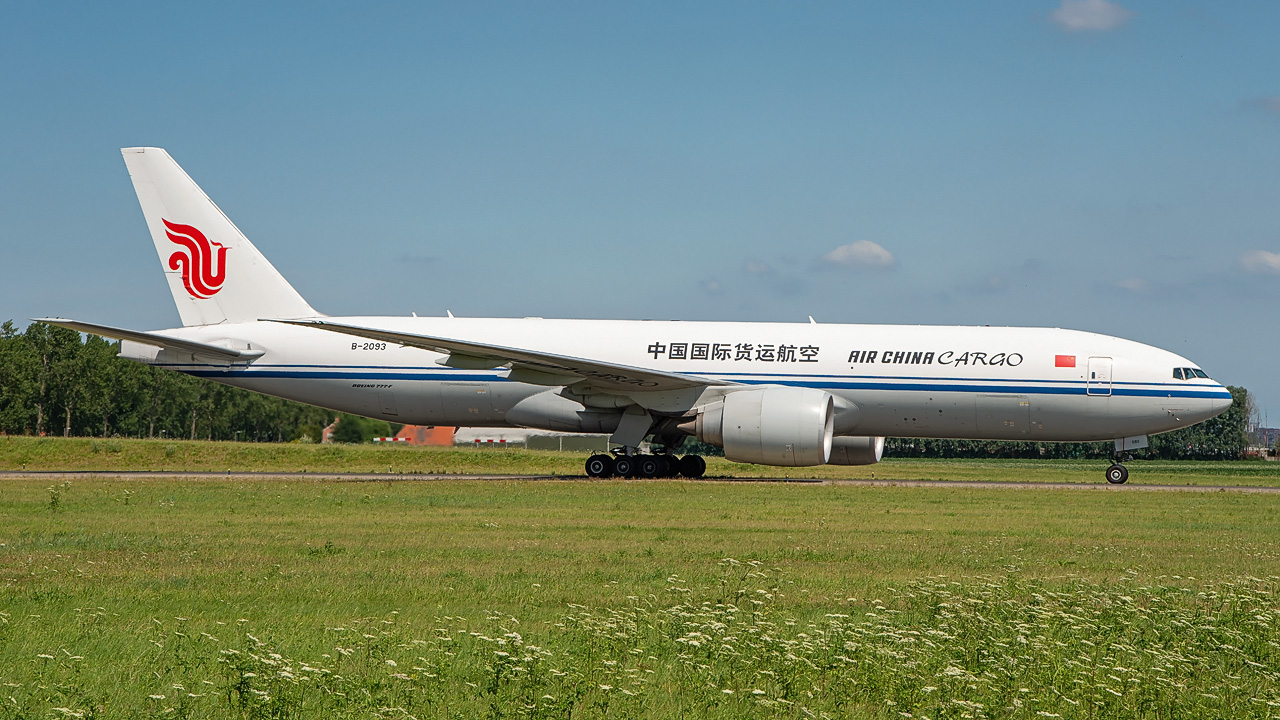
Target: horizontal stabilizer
{"type": "Point", "coordinates": [161, 341]}
{"type": "Point", "coordinates": [564, 369]}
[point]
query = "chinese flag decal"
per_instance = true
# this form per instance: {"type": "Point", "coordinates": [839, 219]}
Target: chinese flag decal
{"type": "Point", "coordinates": [1064, 360]}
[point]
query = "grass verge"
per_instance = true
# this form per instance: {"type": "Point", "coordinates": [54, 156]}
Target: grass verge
{"type": "Point", "coordinates": [52, 454]}
{"type": "Point", "coordinates": [284, 598]}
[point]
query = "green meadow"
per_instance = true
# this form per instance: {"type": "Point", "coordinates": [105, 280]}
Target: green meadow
{"type": "Point", "coordinates": [288, 598]}
{"type": "Point", "coordinates": [86, 454]}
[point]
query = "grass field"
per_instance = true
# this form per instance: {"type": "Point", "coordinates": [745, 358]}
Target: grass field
{"type": "Point", "coordinates": [457, 598]}
{"type": "Point", "coordinates": [49, 454]}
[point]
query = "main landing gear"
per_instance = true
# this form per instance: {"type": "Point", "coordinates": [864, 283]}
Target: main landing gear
{"type": "Point", "coordinates": [1118, 474]}
{"type": "Point", "coordinates": [660, 465]}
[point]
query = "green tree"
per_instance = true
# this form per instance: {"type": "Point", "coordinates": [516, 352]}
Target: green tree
{"type": "Point", "coordinates": [17, 371]}
{"type": "Point", "coordinates": [51, 379]}
{"type": "Point", "coordinates": [356, 429]}
{"type": "Point", "coordinates": [115, 389]}
{"type": "Point", "coordinates": [55, 369]}
{"type": "Point", "coordinates": [1224, 437]}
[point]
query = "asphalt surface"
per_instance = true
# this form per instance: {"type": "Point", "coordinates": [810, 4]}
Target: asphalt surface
{"type": "Point", "coordinates": [423, 477]}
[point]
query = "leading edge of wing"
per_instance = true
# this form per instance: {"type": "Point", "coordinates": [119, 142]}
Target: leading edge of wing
{"type": "Point", "coordinates": [602, 375]}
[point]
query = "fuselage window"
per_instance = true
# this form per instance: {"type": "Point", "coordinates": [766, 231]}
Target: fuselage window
{"type": "Point", "coordinates": [1177, 373]}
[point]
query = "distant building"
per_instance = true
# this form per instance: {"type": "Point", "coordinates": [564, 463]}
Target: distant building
{"type": "Point", "coordinates": [1264, 436]}
{"type": "Point", "coordinates": [441, 436]}
{"type": "Point", "coordinates": [492, 436]}
{"type": "Point", "coordinates": [427, 435]}
{"type": "Point", "coordinates": [326, 435]}
{"type": "Point", "coordinates": [532, 439]}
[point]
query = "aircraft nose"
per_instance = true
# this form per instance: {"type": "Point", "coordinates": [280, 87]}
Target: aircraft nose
{"type": "Point", "coordinates": [1219, 403]}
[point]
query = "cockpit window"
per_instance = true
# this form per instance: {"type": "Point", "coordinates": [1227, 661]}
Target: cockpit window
{"type": "Point", "coordinates": [1200, 373]}
{"type": "Point", "coordinates": [1177, 373]}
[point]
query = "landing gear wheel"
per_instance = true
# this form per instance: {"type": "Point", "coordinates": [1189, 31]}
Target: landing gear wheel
{"type": "Point", "coordinates": [624, 466]}
{"type": "Point", "coordinates": [1117, 474]}
{"type": "Point", "coordinates": [666, 465]}
{"type": "Point", "coordinates": [648, 466]}
{"type": "Point", "coordinates": [599, 466]}
{"type": "Point", "coordinates": [692, 466]}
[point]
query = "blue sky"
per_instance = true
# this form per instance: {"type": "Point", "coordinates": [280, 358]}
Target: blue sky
{"type": "Point", "coordinates": [1112, 167]}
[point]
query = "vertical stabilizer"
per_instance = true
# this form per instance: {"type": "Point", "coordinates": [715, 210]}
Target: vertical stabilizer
{"type": "Point", "coordinates": [215, 274]}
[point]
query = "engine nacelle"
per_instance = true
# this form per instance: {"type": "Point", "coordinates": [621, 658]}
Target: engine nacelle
{"type": "Point", "coordinates": [771, 426]}
{"type": "Point", "coordinates": [856, 450]}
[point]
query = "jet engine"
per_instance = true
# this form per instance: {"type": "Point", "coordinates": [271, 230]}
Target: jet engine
{"type": "Point", "coordinates": [783, 426]}
{"type": "Point", "coordinates": [856, 450]}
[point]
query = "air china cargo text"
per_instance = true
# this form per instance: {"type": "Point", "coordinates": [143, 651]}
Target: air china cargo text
{"type": "Point", "coordinates": [949, 357]}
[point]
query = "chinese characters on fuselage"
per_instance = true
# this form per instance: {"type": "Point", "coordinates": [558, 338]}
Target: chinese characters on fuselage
{"type": "Point", "coordinates": [737, 352]}
{"type": "Point", "coordinates": [949, 357]}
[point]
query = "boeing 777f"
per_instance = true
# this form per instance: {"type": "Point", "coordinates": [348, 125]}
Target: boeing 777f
{"type": "Point", "coordinates": [784, 394]}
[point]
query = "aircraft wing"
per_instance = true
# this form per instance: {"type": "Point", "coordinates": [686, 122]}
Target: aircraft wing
{"type": "Point", "coordinates": [532, 366]}
{"type": "Point", "coordinates": [162, 341]}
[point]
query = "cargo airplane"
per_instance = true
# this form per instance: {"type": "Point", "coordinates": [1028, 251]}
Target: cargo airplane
{"type": "Point", "coordinates": [782, 394]}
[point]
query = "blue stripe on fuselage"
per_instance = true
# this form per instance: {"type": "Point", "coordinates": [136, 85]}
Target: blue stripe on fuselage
{"type": "Point", "coordinates": [827, 382]}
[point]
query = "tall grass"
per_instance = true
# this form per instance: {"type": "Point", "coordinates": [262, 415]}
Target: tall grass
{"type": "Point", "coordinates": [287, 598]}
{"type": "Point", "coordinates": [1003, 647]}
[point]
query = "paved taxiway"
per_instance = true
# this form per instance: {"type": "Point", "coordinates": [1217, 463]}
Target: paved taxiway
{"type": "Point", "coordinates": [424, 477]}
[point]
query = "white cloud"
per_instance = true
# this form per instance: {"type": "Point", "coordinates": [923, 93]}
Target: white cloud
{"type": "Point", "coordinates": [1090, 15]}
{"type": "Point", "coordinates": [756, 268]}
{"type": "Point", "coordinates": [861, 254]}
{"type": "Point", "coordinates": [417, 259]}
{"type": "Point", "coordinates": [994, 283]}
{"type": "Point", "coordinates": [1133, 284]}
{"type": "Point", "coordinates": [1267, 104]}
{"type": "Point", "coordinates": [1261, 261]}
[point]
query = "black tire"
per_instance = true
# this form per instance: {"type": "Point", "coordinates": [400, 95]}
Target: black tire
{"type": "Point", "coordinates": [666, 465]}
{"type": "Point", "coordinates": [692, 466]}
{"type": "Point", "coordinates": [624, 466]}
{"type": "Point", "coordinates": [599, 466]}
{"type": "Point", "coordinates": [1117, 474]}
{"type": "Point", "coordinates": [648, 466]}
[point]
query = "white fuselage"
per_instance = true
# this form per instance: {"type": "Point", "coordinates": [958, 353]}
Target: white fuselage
{"type": "Point", "coordinates": [995, 383]}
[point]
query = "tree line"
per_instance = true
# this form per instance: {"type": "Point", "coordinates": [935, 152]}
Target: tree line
{"type": "Point", "coordinates": [1224, 437]}
{"type": "Point", "coordinates": [53, 381]}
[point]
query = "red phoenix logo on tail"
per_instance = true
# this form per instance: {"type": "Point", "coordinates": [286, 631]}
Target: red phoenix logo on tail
{"type": "Point", "coordinates": [202, 272]}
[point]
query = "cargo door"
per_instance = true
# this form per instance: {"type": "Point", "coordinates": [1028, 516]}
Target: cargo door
{"type": "Point", "coordinates": [1003, 417]}
{"type": "Point", "coordinates": [466, 403]}
{"type": "Point", "coordinates": [1099, 379]}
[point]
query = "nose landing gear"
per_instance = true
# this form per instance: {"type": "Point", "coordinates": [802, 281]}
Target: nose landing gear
{"type": "Point", "coordinates": [1117, 474]}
